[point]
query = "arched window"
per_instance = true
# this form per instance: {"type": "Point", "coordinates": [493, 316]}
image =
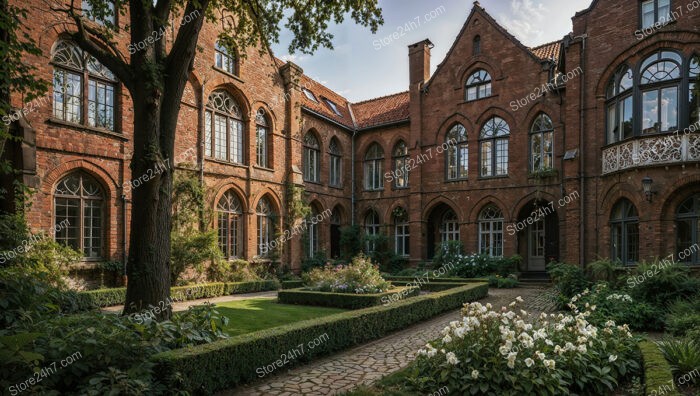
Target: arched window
{"type": "Point", "coordinates": [225, 119]}
{"type": "Point", "coordinates": [620, 106]}
{"type": "Point", "coordinates": [694, 90]}
{"type": "Point", "coordinates": [230, 224]}
{"type": "Point", "coordinates": [372, 225]}
{"type": "Point", "coordinates": [457, 153]}
{"type": "Point", "coordinates": [312, 226]}
{"type": "Point", "coordinates": [494, 147]}
{"type": "Point", "coordinates": [374, 168]}
{"type": "Point", "coordinates": [401, 165]}
{"type": "Point", "coordinates": [476, 46]}
{"type": "Point", "coordinates": [262, 139]}
{"type": "Point", "coordinates": [266, 227]}
{"type": "Point", "coordinates": [542, 144]}
{"type": "Point", "coordinates": [224, 60]}
{"type": "Point", "coordinates": [336, 179]}
{"type": "Point", "coordinates": [688, 230]}
{"type": "Point", "coordinates": [660, 83]}
{"type": "Point", "coordinates": [491, 231]}
{"type": "Point", "coordinates": [449, 227]}
{"type": "Point", "coordinates": [478, 85]}
{"type": "Point", "coordinates": [312, 156]}
{"type": "Point", "coordinates": [401, 232]}
{"type": "Point", "coordinates": [93, 104]}
{"type": "Point", "coordinates": [79, 214]}
{"type": "Point", "coordinates": [624, 232]}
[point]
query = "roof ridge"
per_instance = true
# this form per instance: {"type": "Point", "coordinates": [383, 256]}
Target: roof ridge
{"type": "Point", "coordinates": [380, 97]}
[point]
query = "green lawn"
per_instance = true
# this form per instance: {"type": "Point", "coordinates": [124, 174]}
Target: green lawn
{"type": "Point", "coordinates": [246, 316]}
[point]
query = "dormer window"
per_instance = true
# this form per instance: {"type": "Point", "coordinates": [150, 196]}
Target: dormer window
{"type": "Point", "coordinates": [310, 95]}
{"type": "Point", "coordinates": [655, 12]}
{"type": "Point", "coordinates": [333, 107]}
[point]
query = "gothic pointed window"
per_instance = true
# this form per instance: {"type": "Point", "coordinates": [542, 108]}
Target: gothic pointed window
{"type": "Point", "coordinates": [262, 139]}
{"type": "Point", "coordinates": [400, 165]}
{"type": "Point", "coordinates": [542, 144]}
{"type": "Point", "coordinates": [374, 168]}
{"type": "Point", "coordinates": [312, 158]}
{"type": "Point", "coordinates": [223, 128]}
{"type": "Point", "coordinates": [266, 227]}
{"type": "Point", "coordinates": [336, 164]}
{"type": "Point", "coordinates": [230, 224]}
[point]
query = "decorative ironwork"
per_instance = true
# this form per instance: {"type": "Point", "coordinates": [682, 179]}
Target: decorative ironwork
{"type": "Point", "coordinates": [68, 54]}
{"type": "Point", "coordinates": [657, 150]}
{"type": "Point", "coordinates": [224, 102]}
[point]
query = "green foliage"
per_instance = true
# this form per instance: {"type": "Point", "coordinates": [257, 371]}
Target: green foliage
{"type": "Point", "coordinates": [292, 284]}
{"type": "Point", "coordinates": [431, 286]}
{"type": "Point", "coordinates": [345, 300]}
{"type": "Point", "coordinates": [683, 355]}
{"type": "Point", "coordinates": [361, 276]}
{"type": "Point", "coordinates": [350, 241]}
{"type": "Point", "coordinates": [683, 316]}
{"type": "Point", "coordinates": [509, 353]}
{"type": "Point", "coordinates": [14, 230]}
{"type": "Point", "coordinates": [500, 282]}
{"type": "Point", "coordinates": [448, 253]}
{"type": "Point", "coordinates": [661, 283]}
{"type": "Point", "coordinates": [657, 371]}
{"type": "Point", "coordinates": [318, 261]}
{"type": "Point", "coordinates": [206, 369]}
{"type": "Point", "coordinates": [191, 251]}
{"type": "Point", "coordinates": [568, 279]}
{"type": "Point", "coordinates": [233, 271]}
{"type": "Point", "coordinates": [450, 256]}
{"type": "Point", "coordinates": [606, 270]}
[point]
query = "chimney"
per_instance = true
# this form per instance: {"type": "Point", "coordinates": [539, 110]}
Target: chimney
{"type": "Point", "coordinates": [419, 61]}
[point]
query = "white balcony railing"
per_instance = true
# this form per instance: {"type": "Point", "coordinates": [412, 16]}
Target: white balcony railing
{"type": "Point", "coordinates": [657, 150]}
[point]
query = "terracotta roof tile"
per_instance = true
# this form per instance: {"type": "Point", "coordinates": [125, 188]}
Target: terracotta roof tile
{"type": "Point", "coordinates": [379, 111]}
{"type": "Point", "coordinates": [548, 51]}
{"type": "Point", "coordinates": [321, 106]}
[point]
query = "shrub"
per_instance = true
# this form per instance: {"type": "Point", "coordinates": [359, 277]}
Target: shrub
{"type": "Point", "coordinates": [496, 352]}
{"type": "Point", "coordinates": [683, 316]}
{"type": "Point", "coordinates": [683, 355]}
{"type": "Point", "coordinates": [191, 250]}
{"type": "Point", "coordinates": [448, 253]}
{"type": "Point", "coordinates": [568, 279]}
{"type": "Point", "coordinates": [346, 300]}
{"type": "Point", "coordinates": [350, 241]}
{"type": "Point", "coordinates": [208, 368]}
{"type": "Point", "coordinates": [606, 270]}
{"type": "Point", "coordinates": [360, 277]}
{"type": "Point", "coordinates": [500, 282]}
{"type": "Point", "coordinates": [292, 284]}
{"type": "Point", "coordinates": [318, 261]}
{"type": "Point", "coordinates": [663, 283]}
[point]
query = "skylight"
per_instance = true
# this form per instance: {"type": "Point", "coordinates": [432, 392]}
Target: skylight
{"type": "Point", "coordinates": [333, 107]}
{"type": "Point", "coordinates": [310, 95]}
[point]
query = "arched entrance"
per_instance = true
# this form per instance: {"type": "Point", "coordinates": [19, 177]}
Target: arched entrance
{"type": "Point", "coordinates": [443, 225]}
{"type": "Point", "coordinates": [538, 235]}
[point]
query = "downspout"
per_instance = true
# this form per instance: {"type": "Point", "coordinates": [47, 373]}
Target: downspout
{"type": "Point", "coordinates": [582, 145]}
{"type": "Point", "coordinates": [352, 177]}
{"type": "Point", "coordinates": [125, 257]}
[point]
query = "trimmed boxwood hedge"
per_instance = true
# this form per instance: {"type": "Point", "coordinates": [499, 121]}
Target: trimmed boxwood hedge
{"type": "Point", "coordinates": [658, 377]}
{"type": "Point", "coordinates": [344, 300]}
{"type": "Point", "coordinates": [431, 287]}
{"type": "Point", "coordinates": [108, 297]}
{"type": "Point", "coordinates": [417, 279]}
{"type": "Point", "coordinates": [225, 364]}
{"type": "Point", "coordinates": [293, 284]}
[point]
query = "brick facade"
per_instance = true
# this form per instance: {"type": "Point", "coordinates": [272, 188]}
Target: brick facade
{"type": "Point", "coordinates": [578, 231]}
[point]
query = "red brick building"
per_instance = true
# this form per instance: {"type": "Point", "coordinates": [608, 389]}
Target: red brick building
{"type": "Point", "coordinates": [596, 134]}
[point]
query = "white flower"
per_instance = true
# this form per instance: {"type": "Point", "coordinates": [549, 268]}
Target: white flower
{"type": "Point", "coordinates": [447, 339]}
{"type": "Point", "coordinates": [475, 374]}
{"type": "Point", "coordinates": [503, 350]}
{"type": "Point", "coordinates": [452, 358]}
{"type": "Point", "coordinates": [582, 348]}
{"type": "Point", "coordinates": [612, 358]}
{"type": "Point", "coordinates": [519, 299]}
{"type": "Point", "coordinates": [550, 364]}
{"type": "Point", "coordinates": [529, 362]}
{"type": "Point", "coordinates": [539, 355]}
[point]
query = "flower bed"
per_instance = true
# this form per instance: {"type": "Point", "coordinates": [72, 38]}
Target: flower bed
{"type": "Point", "coordinates": [509, 353]}
{"type": "Point", "coordinates": [359, 277]}
{"type": "Point", "coordinates": [346, 300]}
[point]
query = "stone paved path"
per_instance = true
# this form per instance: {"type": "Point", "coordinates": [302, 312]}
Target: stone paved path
{"type": "Point", "coordinates": [367, 363]}
{"type": "Point", "coordinates": [183, 305]}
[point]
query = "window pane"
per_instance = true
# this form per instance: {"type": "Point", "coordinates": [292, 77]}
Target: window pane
{"type": "Point", "coordinates": [664, 11]}
{"type": "Point", "coordinates": [92, 228]}
{"type": "Point", "coordinates": [536, 152]}
{"type": "Point", "coordinates": [612, 124]}
{"type": "Point", "coordinates": [463, 161]}
{"type": "Point", "coordinates": [236, 141]}
{"type": "Point", "coordinates": [452, 162]}
{"type": "Point", "coordinates": [261, 146]}
{"type": "Point", "coordinates": [669, 109]}
{"type": "Point", "coordinates": [501, 157]}
{"type": "Point", "coordinates": [68, 222]}
{"type": "Point", "coordinates": [548, 150]}
{"type": "Point", "coordinates": [471, 93]}
{"type": "Point", "coordinates": [207, 134]}
{"type": "Point", "coordinates": [650, 112]}
{"type": "Point", "coordinates": [694, 104]}
{"type": "Point", "coordinates": [632, 243]}
{"type": "Point", "coordinates": [627, 113]}
{"type": "Point", "coordinates": [220, 137]}
{"type": "Point", "coordinates": [648, 13]}
{"type": "Point", "coordinates": [100, 105]}
{"type": "Point", "coordinates": [486, 164]}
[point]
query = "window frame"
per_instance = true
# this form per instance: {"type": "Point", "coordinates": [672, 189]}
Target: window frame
{"type": "Point", "coordinates": [372, 229]}
{"type": "Point", "coordinates": [402, 233]}
{"type": "Point", "coordinates": [657, 17]}
{"type": "Point", "coordinates": [312, 158]}
{"type": "Point", "coordinates": [491, 231]}
{"type": "Point", "coordinates": [621, 226]}
{"type": "Point", "coordinates": [374, 168]}
{"type": "Point", "coordinates": [542, 152]}
{"type": "Point", "coordinates": [400, 165]}
{"type": "Point", "coordinates": [449, 227]}
{"type": "Point", "coordinates": [232, 117]}
{"type": "Point", "coordinates": [234, 246]}
{"type": "Point", "coordinates": [459, 151]}
{"type": "Point", "coordinates": [495, 126]}
{"type": "Point", "coordinates": [222, 53]}
{"type": "Point", "coordinates": [336, 163]}
{"type": "Point", "coordinates": [694, 216]}
{"type": "Point", "coordinates": [265, 227]}
{"type": "Point", "coordinates": [262, 146]}
{"type": "Point", "coordinates": [476, 81]}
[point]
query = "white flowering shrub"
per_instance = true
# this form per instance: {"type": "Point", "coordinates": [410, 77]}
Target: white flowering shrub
{"type": "Point", "coordinates": [361, 276]}
{"type": "Point", "coordinates": [516, 353]}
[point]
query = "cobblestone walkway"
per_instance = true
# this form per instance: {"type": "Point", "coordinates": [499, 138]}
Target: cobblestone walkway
{"type": "Point", "coordinates": [367, 363]}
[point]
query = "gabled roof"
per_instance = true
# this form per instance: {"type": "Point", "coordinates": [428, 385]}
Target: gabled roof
{"type": "Point", "coordinates": [321, 106]}
{"type": "Point", "coordinates": [548, 51]}
{"type": "Point", "coordinates": [381, 111]}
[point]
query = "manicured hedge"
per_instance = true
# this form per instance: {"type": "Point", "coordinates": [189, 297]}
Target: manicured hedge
{"type": "Point", "coordinates": [432, 287]}
{"type": "Point", "coordinates": [293, 284]}
{"type": "Point", "coordinates": [658, 377]}
{"type": "Point", "coordinates": [421, 279]}
{"type": "Point", "coordinates": [108, 297]}
{"type": "Point", "coordinates": [344, 300]}
{"type": "Point", "coordinates": [225, 364]}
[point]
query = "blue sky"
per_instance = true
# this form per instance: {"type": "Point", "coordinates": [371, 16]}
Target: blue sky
{"type": "Point", "coordinates": [363, 66]}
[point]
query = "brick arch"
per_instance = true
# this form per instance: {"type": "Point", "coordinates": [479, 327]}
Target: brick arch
{"type": "Point", "coordinates": [362, 150]}
{"type": "Point", "coordinates": [341, 147]}
{"type": "Point", "coordinates": [455, 118]}
{"type": "Point", "coordinates": [103, 177]}
{"type": "Point", "coordinates": [344, 216]}
{"type": "Point", "coordinates": [483, 203]}
{"type": "Point", "coordinates": [272, 197]}
{"type": "Point", "coordinates": [319, 200]}
{"type": "Point", "coordinates": [397, 203]}
{"type": "Point", "coordinates": [226, 186]}
{"type": "Point", "coordinates": [492, 66]}
{"type": "Point", "coordinates": [676, 193]}
{"type": "Point", "coordinates": [616, 192]}
{"type": "Point", "coordinates": [237, 93]}
{"type": "Point", "coordinates": [392, 144]}
{"type": "Point", "coordinates": [270, 115]}
{"type": "Point", "coordinates": [541, 108]}
{"type": "Point", "coordinates": [441, 200]}
{"type": "Point", "coordinates": [528, 199]}
{"type": "Point", "coordinates": [495, 111]}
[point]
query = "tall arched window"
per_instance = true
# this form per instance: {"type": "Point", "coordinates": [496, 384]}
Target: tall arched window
{"type": "Point", "coordinates": [620, 106]}
{"type": "Point", "coordinates": [224, 60]}
{"type": "Point", "coordinates": [223, 128]}
{"type": "Point", "coordinates": [230, 224]}
{"type": "Point", "coordinates": [312, 227]}
{"type": "Point", "coordinates": [660, 83]}
{"type": "Point", "coordinates": [542, 144]}
{"type": "Point", "coordinates": [688, 230]}
{"type": "Point", "coordinates": [262, 139]}
{"type": "Point", "coordinates": [336, 179]}
{"type": "Point", "coordinates": [694, 89]}
{"type": "Point", "coordinates": [478, 85]}
{"type": "Point", "coordinates": [476, 46]}
{"type": "Point", "coordinates": [374, 168]}
{"type": "Point", "coordinates": [449, 227]}
{"type": "Point", "coordinates": [79, 214]}
{"type": "Point", "coordinates": [400, 165]}
{"type": "Point", "coordinates": [401, 232]}
{"type": "Point", "coordinates": [266, 227]}
{"type": "Point", "coordinates": [93, 104]}
{"type": "Point", "coordinates": [457, 153]}
{"type": "Point", "coordinates": [624, 232]}
{"type": "Point", "coordinates": [372, 225]}
{"type": "Point", "coordinates": [491, 231]}
{"type": "Point", "coordinates": [312, 157]}
{"type": "Point", "coordinates": [494, 147]}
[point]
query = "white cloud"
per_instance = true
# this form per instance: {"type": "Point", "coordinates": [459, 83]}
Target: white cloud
{"type": "Point", "coordinates": [526, 20]}
{"type": "Point", "coordinates": [294, 58]}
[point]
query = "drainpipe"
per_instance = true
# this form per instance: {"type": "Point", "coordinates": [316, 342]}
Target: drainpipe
{"type": "Point", "coordinates": [582, 144]}
{"type": "Point", "coordinates": [125, 257]}
{"type": "Point", "coordinates": [352, 178]}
